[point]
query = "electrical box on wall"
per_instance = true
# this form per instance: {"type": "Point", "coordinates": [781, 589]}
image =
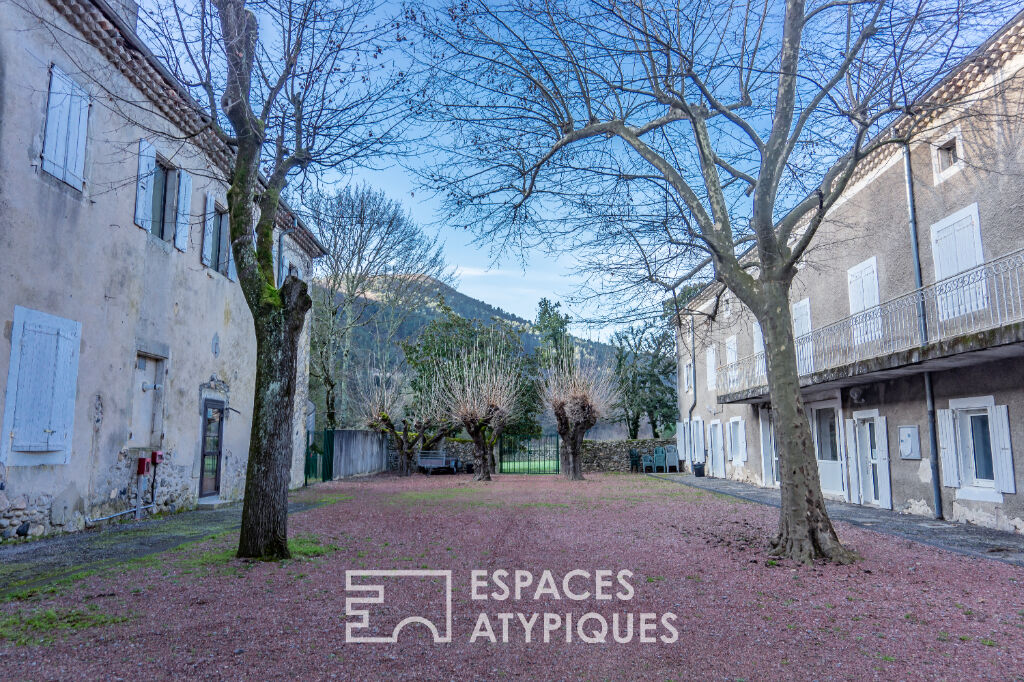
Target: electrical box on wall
{"type": "Point", "coordinates": [143, 466]}
{"type": "Point", "coordinates": [157, 457]}
{"type": "Point", "coordinates": [910, 442]}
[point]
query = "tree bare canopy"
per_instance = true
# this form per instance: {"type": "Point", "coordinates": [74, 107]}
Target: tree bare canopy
{"type": "Point", "coordinates": [578, 393]}
{"type": "Point", "coordinates": [666, 139]}
{"type": "Point", "coordinates": [480, 388]}
{"type": "Point", "coordinates": [291, 89]}
{"type": "Point", "coordinates": [379, 269]}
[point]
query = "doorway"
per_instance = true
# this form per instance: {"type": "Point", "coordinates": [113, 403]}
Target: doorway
{"type": "Point", "coordinates": [871, 444]}
{"type": "Point", "coordinates": [212, 448]}
{"type": "Point", "coordinates": [769, 454]}
{"type": "Point", "coordinates": [826, 433]}
{"type": "Point", "coordinates": [716, 449]}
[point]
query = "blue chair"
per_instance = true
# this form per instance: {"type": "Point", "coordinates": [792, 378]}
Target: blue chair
{"type": "Point", "coordinates": [659, 459]}
{"type": "Point", "coordinates": [648, 461]}
{"type": "Point", "coordinates": [634, 460]}
{"type": "Point", "coordinates": [672, 457]}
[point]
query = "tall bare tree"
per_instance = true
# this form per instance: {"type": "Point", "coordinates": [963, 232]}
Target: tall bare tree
{"type": "Point", "coordinates": [291, 88]}
{"type": "Point", "coordinates": [578, 393]}
{"type": "Point", "coordinates": [380, 268]}
{"type": "Point", "coordinates": [582, 120]}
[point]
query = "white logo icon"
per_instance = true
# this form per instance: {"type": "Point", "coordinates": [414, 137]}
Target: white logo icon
{"type": "Point", "coordinates": [374, 594]}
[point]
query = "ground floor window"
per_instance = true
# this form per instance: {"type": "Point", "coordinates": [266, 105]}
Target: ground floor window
{"type": "Point", "coordinates": [975, 448]}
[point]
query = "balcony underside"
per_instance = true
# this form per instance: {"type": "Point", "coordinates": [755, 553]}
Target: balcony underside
{"type": "Point", "coordinates": [960, 351]}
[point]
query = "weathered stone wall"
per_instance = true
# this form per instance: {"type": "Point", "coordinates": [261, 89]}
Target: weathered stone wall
{"type": "Point", "coordinates": [613, 455]}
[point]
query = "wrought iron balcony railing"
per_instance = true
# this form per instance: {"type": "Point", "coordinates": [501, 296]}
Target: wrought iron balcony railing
{"type": "Point", "coordinates": [986, 297]}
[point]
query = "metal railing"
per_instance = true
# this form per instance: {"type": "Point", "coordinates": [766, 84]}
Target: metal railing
{"type": "Point", "coordinates": [986, 297]}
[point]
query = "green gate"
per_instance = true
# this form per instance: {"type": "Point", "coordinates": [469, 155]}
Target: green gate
{"type": "Point", "coordinates": [319, 456]}
{"type": "Point", "coordinates": [525, 455]}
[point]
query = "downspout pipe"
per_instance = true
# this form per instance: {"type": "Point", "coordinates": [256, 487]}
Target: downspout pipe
{"type": "Point", "coordinates": [922, 321]}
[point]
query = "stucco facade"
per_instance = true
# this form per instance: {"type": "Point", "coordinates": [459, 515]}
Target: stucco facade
{"type": "Point", "coordinates": [155, 331]}
{"type": "Point", "coordinates": [867, 336]}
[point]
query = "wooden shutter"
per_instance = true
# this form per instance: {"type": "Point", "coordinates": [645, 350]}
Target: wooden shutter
{"type": "Point", "coordinates": [1002, 453]}
{"type": "Point", "coordinates": [144, 186]}
{"type": "Point", "coordinates": [853, 454]}
{"type": "Point", "coordinates": [712, 367]}
{"type": "Point", "coordinates": [741, 440]}
{"type": "Point", "coordinates": [209, 215]}
{"type": "Point", "coordinates": [183, 211]}
{"type": "Point", "coordinates": [801, 328]}
{"type": "Point", "coordinates": [758, 337]}
{"type": "Point", "coordinates": [58, 114]}
{"type": "Point", "coordinates": [698, 440]}
{"type": "Point", "coordinates": [948, 449]}
{"type": "Point", "coordinates": [884, 475]}
{"type": "Point", "coordinates": [730, 350]}
{"type": "Point", "coordinates": [78, 125]}
{"type": "Point", "coordinates": [41, 388]}
{"type": "Point", "coordinates": [232, 273]}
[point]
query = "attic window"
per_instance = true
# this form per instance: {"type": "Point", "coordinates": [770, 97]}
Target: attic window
{"type": "Point", "coordinates": [947, 154]}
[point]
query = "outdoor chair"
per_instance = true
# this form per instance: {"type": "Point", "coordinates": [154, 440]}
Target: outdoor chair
{"type": "Point", "coordinates": [634, 460]}
{"type": "Point", "coordinates": [672, 458]}
{"type": "Point", "coordinates": [648, 461]}
{"type": "Point", "coordinates": [659, 459]}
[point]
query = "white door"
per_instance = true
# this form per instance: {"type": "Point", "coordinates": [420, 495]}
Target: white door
{"type": "Point", "coordinates": [956, 250]}
{"type": "Point", "coordinates": [769, 455]}
{"type": "Point", "coordinates": [862, 282]}
{"type": "Point", "coordinates": [802, 330]}
{"type": "Point", "coordinates": [825, 429]}
{"type": "Point", "coordinates": [716, 446]}
{"type": "Point", "coordinates": [873, 461]}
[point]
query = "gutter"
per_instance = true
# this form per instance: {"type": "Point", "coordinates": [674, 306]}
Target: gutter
{"type": "Point", "coordinates": [922, 321]}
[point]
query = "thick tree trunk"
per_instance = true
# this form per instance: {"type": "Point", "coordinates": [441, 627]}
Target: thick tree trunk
{"type": "Point", "coordinates": [481, 463]}
{"type": "Point", "coordinates": [805, 530]}
{"type": "Point", "coordinates": [654, 425]}
{"type": "Point", "coordinates": [633, 426]}
{"type": "Point", "coordinates": [330, 398]}
{"type": "Point", "coordinates": [264, 531]}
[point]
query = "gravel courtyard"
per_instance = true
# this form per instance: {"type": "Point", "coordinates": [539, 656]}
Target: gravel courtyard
{"type": "Point", "coordinates": [905, 611]}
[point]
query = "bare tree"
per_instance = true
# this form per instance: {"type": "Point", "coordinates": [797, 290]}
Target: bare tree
{"type": "Point", "coordinates": [480, 388]}
{"type": "Point", "coordinates": [380, 268]}
{"type": "Point", "coordinates": [702, 139]}
{"type": "Point", "coordinates": [578, 393]}
{"type": "Point", "coordinates": [385, 403]}
{"type": "Point", "coordinates": [290, 88]}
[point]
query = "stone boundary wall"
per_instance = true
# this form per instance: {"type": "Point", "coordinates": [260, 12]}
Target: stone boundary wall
{"type": "Point", "coordinates": [613, 455]}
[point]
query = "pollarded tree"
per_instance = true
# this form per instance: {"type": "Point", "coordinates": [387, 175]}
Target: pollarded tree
{"type": "Point", "coordinates": [480, 388]}
{"type": "Point", "coordinates": [578, 393]}
{"type": "Point", "coordinates": [581, 123]}
{"type": "Point", "coordinates": [291, 88]}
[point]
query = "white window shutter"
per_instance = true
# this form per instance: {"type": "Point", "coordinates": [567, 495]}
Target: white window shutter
{"type": "Point", "coordinates": [698, 440]}
{"type": "Point", "coordinates": [209, 214]}
{"type": "Point", "coordinates": [947, 449]}
{"type": "Point", "coordinates": [232, 273]}
{"type": "Point", "coordinates": [712, 367]}
{"type": "Point", "coordinates": [884, 476]}
{"type": "Point", "coordinates": [58, 112]}
{"type": "Point", "coordinates": [853, 454]}
{"type": "Point", "coordinates": [758, 337]}
{"type": "Point", "coordinates": [1002, 453]}
{"type": "Point", "coordinates": [741, 439]}
{"type": "Point", "coordinates": [33, 401]}
{"type": "Point", "coordinates": [183, 208]}
{"type": "Point", "coordinates": [65, 385]}
{"type": "Point", "coordinates": [78, 125]}
{"type": "Point", "coordinates": [144, 186]}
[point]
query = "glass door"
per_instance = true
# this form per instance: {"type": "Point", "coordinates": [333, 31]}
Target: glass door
{"type": "Point", "coordinates": [213, 436]}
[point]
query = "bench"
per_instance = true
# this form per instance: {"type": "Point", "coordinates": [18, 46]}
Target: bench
{"type": "Point", "coordinates": [429, 460]}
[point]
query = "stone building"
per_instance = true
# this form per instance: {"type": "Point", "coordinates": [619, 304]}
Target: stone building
{"type": "Point", "coordinates": [912, 298]}
{"type": "Point", "coordinates": [124, 328]}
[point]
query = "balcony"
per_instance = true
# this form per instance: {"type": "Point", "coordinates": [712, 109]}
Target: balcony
{"type": "Point", "coordinates": [972, 311]}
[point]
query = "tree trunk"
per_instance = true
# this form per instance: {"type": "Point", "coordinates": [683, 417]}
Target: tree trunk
{"type": "Point", "coordinates": [805, 530]}
{"type": "Point", "coordinates": [633, 426]}
{"type": "Point", "coordinates": [654, 425]}
{"type": "Point", "coordinates": [481, 463]}
{"type": "Point", "coordinates": [264, 531]}
{"type": "Point", "coordinates": [330, 398]}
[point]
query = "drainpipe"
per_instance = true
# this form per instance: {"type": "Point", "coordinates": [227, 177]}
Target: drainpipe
{"type": "Point", "coordinates": [280, 250]}
{"type": "Point", "coordinates": [922, 321]}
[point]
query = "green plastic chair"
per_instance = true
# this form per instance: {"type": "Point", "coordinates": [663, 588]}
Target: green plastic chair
{"type": "Point", "coordinates": [659, 459]}
{"type": "Point", "coordinates": [634, 460]}
{"type": "Point", "coordinates": [648, 461]}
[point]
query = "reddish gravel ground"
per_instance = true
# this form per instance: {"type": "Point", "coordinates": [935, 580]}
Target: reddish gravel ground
{"type": "Point", "coordinates": [906, 611]}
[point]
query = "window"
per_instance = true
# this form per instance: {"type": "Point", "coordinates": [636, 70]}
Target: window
{"type": "Point", "coordinates": [947, 156]}
{"type": "Point", "coordinates": [975, 450]}
{"type": "Point", "coordinates": [730, 359]}
{"type": "Point", "coordinates": [67, 122]}
{"type": "Point", "coordinates": [827, 439]}
{"type": "Point", "coordinates": [712, 367]}
{"type": "Point", "coordinates": [862, 283]}
{"type": "Point", "coordinates": [802, 332]}
{"type": "Point", "coordinates": [163, 198]}
{"type": "Point", "coordinates": [760, 366]}
{"type": "Point", "coordinates": [737, 440]}
{"type": "Point", "coordinates": [216, 238]}
{"type": "Point", "coordinates": [39, 409]}
{"type": "Point", "coordinates": [688, 377]}
{"type": "Point", "coordinates": [957, 255]}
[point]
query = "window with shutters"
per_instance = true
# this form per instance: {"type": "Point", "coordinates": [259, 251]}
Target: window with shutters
{"type": "Point", "coordinates": [67, 123]}
{"type": "Point", "coordinates": [163, 198]}
{"type": "Point", "coordinates": [737, 440]}
{"type": "Point", "coordinates": [862, 283]}
{"type": "Point", "coordinates": [957, 254]}
{"type": "Point", "coordinates": [42, 378]}
{"type": "Point", "coordinates": [688, 377]}
{"type": "Point", "coordinates": [711, 358]}
{"type": "Point", "coordinates": [216, 253]}
{"type": "Point", "coordinates": [975, 449]}
{"type": "Point", "coordinates": [802, 332]}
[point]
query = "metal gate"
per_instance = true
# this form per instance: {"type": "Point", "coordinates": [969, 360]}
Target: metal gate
{"type": "Point", "coordinates": [524, 455]}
